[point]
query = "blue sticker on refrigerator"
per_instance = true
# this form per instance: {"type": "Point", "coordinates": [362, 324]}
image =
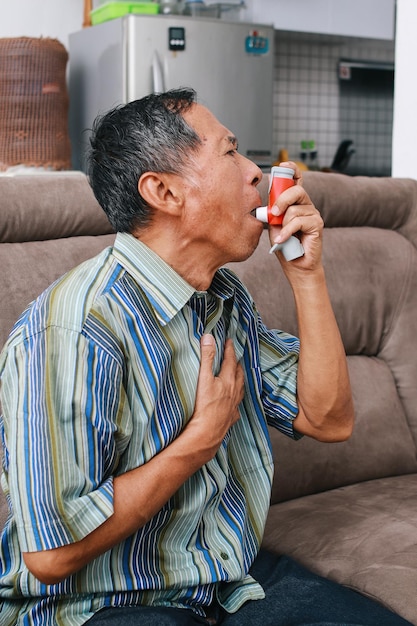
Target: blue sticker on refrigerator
{"type": "Point", "coordinates": [256, 44]}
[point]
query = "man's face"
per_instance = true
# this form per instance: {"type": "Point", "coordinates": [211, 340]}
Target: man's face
{"type": "Point", "coordinates": [221, 193]}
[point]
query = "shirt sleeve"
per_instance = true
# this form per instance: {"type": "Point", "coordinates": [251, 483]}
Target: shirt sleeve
{"type": "Point", "coordinates": [278, 354]}
{"type": "Point", "coordinates": [62, 399]}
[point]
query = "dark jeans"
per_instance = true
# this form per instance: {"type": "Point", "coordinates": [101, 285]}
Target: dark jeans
{"type": "Point", "coordinates": [294, 597]}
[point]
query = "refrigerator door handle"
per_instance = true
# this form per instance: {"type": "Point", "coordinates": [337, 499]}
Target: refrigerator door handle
{"type": "Point", "coordinates": [157, 74]}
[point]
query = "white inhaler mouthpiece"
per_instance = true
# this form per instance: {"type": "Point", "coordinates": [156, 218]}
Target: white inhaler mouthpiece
{"type": "Point", "coordinates": [281, 178]}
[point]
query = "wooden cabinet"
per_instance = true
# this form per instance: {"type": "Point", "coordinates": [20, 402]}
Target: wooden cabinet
{"type": "Point", "coordinates": [355, 18]}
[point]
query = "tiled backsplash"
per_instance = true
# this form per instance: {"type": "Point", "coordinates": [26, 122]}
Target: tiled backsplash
{"type": "Point", "coordinates": [311, 103]}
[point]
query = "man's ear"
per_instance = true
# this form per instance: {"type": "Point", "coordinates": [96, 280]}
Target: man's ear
{"type": "Point", "coordinates": [161, 191]}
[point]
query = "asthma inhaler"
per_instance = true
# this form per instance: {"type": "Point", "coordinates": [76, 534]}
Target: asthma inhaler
{"type": "Point", "coordinates": [281, 179]}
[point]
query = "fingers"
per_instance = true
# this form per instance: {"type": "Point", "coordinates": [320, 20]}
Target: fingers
{"type": "Point", "coordinates": [217, 400]}
{"type": "Point", "coordinates": [302, 219]}
{"type": "Point", "coordinates": [297, 172]}
{"type": "Point", "coordinates": [294, 196]}
{"type": "Point", "coordinates": [300, 216]}
{"type": "Point", "coordinates": [299, 222]}
{"type": "Point", "coordinates": [208, 352]}
{"type": "Point", "coordinates": [231, 372]}
{"type": "Point", "coordinates": [229, 364]}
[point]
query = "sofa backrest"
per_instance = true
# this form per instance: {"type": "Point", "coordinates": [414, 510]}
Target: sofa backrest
{"type": "Point", "coordinates": [48, 224]}
{"type": "Point", "coordinates": [370, 257]}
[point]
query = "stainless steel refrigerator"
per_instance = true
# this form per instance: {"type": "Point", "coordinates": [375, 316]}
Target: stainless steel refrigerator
{"type": "Point", "coordinates": [229, 64]}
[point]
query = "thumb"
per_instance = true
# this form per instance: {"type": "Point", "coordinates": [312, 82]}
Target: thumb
{"type": "Point", "coordinates": [208, 352]}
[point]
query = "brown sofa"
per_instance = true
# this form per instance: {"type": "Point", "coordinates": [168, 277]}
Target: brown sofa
{"type": "Point", "coordinates": [346, 510]}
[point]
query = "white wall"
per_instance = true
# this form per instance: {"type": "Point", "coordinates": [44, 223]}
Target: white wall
{"type": "Point", "coordinates": [41, 18]}
{"type": "Point", "coordinates": [404, 154]}
{"type": "Point", "coordinates": [357, 18]}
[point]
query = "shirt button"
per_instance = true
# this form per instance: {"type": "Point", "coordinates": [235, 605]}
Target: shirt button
{"type": "Point", "coordinates": [224, 556]}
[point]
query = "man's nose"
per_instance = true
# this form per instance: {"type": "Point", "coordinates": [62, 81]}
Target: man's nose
{"type": "Point", "coordinates": [254, 172]}
{"type": "Point", "coordinates": [257, 174]}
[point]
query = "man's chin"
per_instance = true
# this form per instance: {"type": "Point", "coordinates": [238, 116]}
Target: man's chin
{"type": "Point", "coordinates": [246, 251]}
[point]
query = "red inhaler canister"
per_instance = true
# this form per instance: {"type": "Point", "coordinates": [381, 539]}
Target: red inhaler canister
{"type": "Point", "coordinates": [281, 178]}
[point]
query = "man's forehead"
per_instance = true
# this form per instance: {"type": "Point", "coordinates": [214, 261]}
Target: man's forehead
{"type": "Point", "coordinates": [207, 126]}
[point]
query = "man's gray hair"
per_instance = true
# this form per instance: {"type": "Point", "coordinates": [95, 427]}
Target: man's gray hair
{"type": "Point", "coordinates": [146, 135]}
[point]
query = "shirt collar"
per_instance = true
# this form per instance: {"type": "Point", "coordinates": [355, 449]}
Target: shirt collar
{"type": "Point", "coordinates": [167, 291]}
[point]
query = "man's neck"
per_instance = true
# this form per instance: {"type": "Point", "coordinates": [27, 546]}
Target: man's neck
{"type": "Point", "coordinates": [184, 258]}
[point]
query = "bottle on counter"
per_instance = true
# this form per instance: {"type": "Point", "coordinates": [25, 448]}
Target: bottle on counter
{"type": "Point", "coordinates": [283, 156]}
{"type": "Point", "coordinates": [304, 151]}
{"type": "Point", "coordinates": [313, 161]}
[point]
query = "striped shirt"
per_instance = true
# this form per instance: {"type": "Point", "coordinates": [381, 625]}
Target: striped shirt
{"type": "Point", "coordinates": [99, 374]}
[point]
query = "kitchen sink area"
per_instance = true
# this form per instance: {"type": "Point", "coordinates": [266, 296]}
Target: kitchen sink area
{"type": "Point", "coordinates": [366, 102]}
{"type": "Point", "coordinates": [335, 90]}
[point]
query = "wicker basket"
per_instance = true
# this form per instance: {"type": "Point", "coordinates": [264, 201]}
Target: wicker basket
{"type": "Point", "coordinates": [33, 103]}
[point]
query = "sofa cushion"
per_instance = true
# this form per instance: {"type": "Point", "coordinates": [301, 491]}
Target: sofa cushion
{"type": "Point", "coordinates": [363, 536]}
{"type": "Point", "coordinates": [381, 445]}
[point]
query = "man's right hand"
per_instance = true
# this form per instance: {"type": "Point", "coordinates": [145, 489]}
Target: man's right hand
{"type": "Point", "coordinates": [218, 397]}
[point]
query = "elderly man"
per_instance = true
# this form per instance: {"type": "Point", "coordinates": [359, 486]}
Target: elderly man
{"type": "Point", "coordinates": [137, 391]}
